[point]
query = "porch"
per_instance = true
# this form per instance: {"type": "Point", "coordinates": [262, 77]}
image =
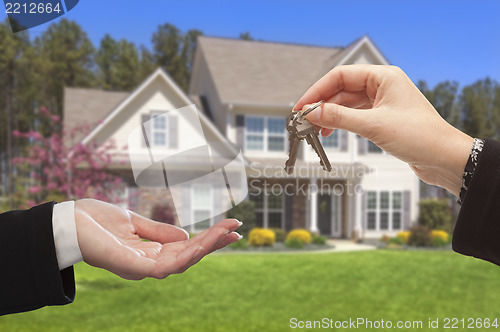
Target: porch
{"type": "Point", "coordinates": [330, 207]}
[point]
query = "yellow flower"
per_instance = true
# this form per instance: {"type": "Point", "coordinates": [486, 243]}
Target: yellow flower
{"type": "Point", "coordinates": [435, 234]}
{"type": "Point", "coordinates": [300, 234]}
{"type": "Point", "coordinates": [404, 235]}
{"type": "Point", "coordinates": [261, 237]}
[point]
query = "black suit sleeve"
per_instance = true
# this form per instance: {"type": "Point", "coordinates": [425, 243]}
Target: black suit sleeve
{"type": "Point", "coordinates": [29, 273]}
{"type": "Point", "coordinates": [477, 232]}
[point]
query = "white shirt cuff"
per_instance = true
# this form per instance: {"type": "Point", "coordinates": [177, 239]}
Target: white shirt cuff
{"type": "Point", "coordinates": [65, 238]}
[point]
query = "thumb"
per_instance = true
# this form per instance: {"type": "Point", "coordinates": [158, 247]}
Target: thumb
{"type": "Point", "coordinates": [335, 116]}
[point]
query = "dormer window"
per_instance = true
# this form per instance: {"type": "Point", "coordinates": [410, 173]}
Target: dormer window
{"type": "Point", "coordinates": [159, 129]}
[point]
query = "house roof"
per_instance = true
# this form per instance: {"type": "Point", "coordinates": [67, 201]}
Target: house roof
{"type": "Point", "coordinates": [98, 108]}
{"type": "Point", "coordinates": [88, 106]}
{"type": "Point", "coordinates": [255, 72]}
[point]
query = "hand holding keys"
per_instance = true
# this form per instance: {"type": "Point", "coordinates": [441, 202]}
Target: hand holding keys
{"type": "Point", "coordinates": [299, 128]}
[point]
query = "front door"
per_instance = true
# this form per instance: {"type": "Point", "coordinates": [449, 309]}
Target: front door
{"type": "Point", "coordinates": [329, 214]}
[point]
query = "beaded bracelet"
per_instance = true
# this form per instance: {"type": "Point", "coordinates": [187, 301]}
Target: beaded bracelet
{"type": "Point", "coordinates": [470, 167]}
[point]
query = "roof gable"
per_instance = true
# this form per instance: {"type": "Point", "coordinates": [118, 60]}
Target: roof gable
{"type": "Point", "coordinates": [264, 73]}
{"type": "Point", "coordinates": [106, 125]}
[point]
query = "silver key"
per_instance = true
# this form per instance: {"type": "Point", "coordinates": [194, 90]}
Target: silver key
{"type": "Point", "coordinates": [307, 130]}
{"type": "Point", "coordinates": [294, 142]}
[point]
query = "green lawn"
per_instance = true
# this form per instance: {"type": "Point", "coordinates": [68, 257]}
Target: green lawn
{"type": "Point", "coordinates": [261, 292]}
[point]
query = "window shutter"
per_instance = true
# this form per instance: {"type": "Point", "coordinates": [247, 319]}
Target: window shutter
{"type": "Point", "coordinates": [363, 211]}
{"type": "Point", "coordinates": [344, 140]}
{"type": "Point", "coordinates": [146, 129]}
{"type": "Point", "coordinates": [406, 209]}
{"type": "Point", "coordinates": [362, 145]}
{"type": "Point", "coordinates": [240, 131]}
{"type": "Point", "coordinates": [289, 212]}
{"type": "Point", "coordinates": [173, 132]}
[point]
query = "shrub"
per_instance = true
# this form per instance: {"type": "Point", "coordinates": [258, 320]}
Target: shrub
{"type": "Point", "coordinates": [384, 238]}
{"type": "Point", "coordinates": [420, 236]}
{"type": "Point", "coordinates": [261, 237]}
{"type": "Point", "coordinates": [396, 240]}
{"type": "Point", "coordinates": [319, 239]}
{"type": "Point", "coordinates": [245, 212]}
{"type": "Point", "coordinates": [439, 238]}
{"type": "Point", "coordinates": [404, 236]}
{"type": "Point", "coordinates": [294, 243]}
{"type": "Point", "coordinates": [435, 214]}
{"type": "Point", "coordinates": [435, 234]}
{"type": "Point", "coordinates": [301, 234]}
{"type": "Point", "coordinates": [241, 244]}
{"type": "Point", "coordinates": [280, 234]}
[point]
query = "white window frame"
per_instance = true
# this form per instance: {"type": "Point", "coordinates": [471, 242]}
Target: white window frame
{"type": "Point", "coordinates": [154, 130]}
{"type": "Point", "coordinates": [335, 132]}
{"type": "Point", "coordinates": [390, 210]}
{"type": "Point", "coordinates": [265, 210]}
{"type": "Point", "coordinates": [265, 134]}
{"type": "Point", "coordinates": [194, 208]}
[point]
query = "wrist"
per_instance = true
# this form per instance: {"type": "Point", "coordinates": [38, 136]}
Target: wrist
{"type": "Point", "coordinates": [454, 153]}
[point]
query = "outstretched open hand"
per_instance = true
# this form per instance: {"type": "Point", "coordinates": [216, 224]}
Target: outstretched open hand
{"type": "Point", "coordinates": [110, 238]}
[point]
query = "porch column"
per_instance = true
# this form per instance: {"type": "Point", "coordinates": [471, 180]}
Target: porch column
{"type": "Point", "coordinates": [313, 194]}
{"type": "Point", "coordinates": [358, 228]}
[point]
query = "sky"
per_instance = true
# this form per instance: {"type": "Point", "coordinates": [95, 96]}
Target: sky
{"type": "Point", "coordinates": [434, 40]}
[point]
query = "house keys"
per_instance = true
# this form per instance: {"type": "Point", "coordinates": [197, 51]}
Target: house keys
{"type": "Point", "coordinates": [299, 128]}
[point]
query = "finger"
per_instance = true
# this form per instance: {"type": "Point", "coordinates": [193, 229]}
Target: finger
{"type": "Point", "coordinates": [157, 231]}
{"type": "Point", "coordinates": [212, 243]}
{"type": "Point", "coordinates": [227, 224]}
{"type": "Point", "coordinates": [353, 78]}
{"type": "Point", "coordinates": [192, 253]}
{"type": "Point", "coordinates": [325, 132]}
{"type": "Point", "coordinates": [357, 99]}
{"type": "Point", "coordinates": [336, 116]}
{"type": "Point", "coordinates": [227, 240]}
{"type": "Point", "coordinates": [172, 264]}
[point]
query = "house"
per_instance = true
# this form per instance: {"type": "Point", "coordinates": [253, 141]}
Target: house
{"type": "Point", "coordinates": [245, 90]}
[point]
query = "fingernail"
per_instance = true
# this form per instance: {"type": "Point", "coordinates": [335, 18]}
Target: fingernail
{"type": "Point", "coordinates": [315, 115]}
{"type": "Point", "coordinates": [239, 235]}
{"type": "Point", "coordinates": [239, 222]}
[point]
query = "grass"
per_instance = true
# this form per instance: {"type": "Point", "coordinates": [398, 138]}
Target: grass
{"type": "Point", "coordinates": [261, 292]}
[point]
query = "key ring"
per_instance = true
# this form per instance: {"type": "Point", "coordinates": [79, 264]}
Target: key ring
{"type": "Point", "coordinates": [313, 107]}
{"type": "Point", "coordinates": [309, 110]}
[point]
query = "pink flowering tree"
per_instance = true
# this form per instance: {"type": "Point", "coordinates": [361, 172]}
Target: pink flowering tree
{"type": "Point", "coordinates": [58, 170]}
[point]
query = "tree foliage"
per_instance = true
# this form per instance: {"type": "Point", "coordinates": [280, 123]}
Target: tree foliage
{"type": "Point", "coordinates": [118, 63]}
{"type": "Point", "coordinates": [174, 52]}
{"type": "Point", "coordinates": [57, 169]}
{"type": "Point", "coordinates": [435, 214]}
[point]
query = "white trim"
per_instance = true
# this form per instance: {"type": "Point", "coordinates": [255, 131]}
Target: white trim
{"type": "Point", "coordinates": [265, 210]}
{"type": "Point", "coordinates": [313, 197]}
{"type": "Point", "coordinates": [265, 134]}
{"type": "Point", "coordinates": [163, 115]}
{"type": "Point", "coordinates": [329, 148]}
{"type": "Point", "coordinates": [281, 210]}
{"type": "Point", "coordinates": [336, 214]}
{"type": "Point", "coordinates": [194, 208]}
{"type": "Point", "coordinates": [157, 73]}
{"type": "Point", "coordinates": [390, 210]}
{"type": "Point", "coordinates": [365, 40]}
{"type": "Point", "coordinates": [235, 105]}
